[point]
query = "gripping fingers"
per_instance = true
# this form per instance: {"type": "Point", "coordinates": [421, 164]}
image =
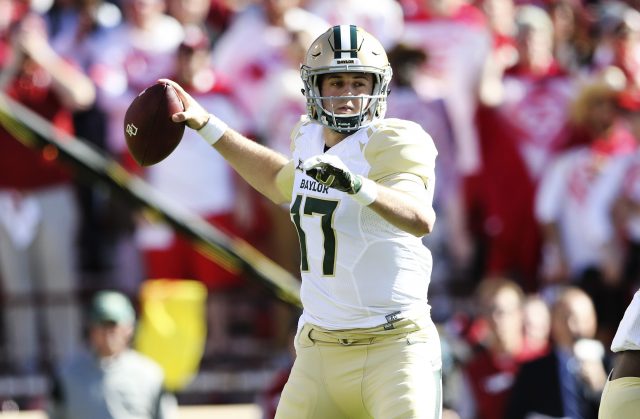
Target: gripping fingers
{"type": "Point", "coordinates": [325, 177]}
{"type": "Point", "coordinates": [317, 168]}
{"type": "Point", "coordinates": [321, 174]}
{"type": "Point", "coordinates": [330, 171]}
{"type": "Point", "coordinates": [312, 163]}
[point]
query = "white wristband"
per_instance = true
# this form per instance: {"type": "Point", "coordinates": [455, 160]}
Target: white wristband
{"type": "Point", "coordinates": [368, 192]}
{"type": "Point", "coordinates": [212, 131]}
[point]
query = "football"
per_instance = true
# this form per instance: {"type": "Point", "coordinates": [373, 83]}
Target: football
{"type": "Point", "coordinates": [150, 133]}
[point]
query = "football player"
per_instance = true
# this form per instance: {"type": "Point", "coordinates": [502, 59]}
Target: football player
{"type": "Point", "coordinates": [360, 189]}
{"type": "Point", "coordinates": [621, 395]}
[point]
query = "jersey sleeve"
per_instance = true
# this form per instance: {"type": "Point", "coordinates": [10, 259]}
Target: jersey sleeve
{"type": "Point", "coordinates": [296, 132]}
{"type": "Point", "coordinates": [397, 146]}
{"type": "Point", "coordinates": [284, 178]}
{"type": "Point", "coordinates": [411, 185]}
{"type": "Point", "coordinates": [627, 336]}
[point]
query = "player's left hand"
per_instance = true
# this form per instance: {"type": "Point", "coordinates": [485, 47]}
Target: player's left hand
{"type": "Point", "coordinates": [331, 171]}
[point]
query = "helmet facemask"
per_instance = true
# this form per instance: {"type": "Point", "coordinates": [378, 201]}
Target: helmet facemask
{"type": "Point", "coordinates": [365, 55]}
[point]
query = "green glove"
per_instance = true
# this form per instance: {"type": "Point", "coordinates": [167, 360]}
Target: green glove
{"type": "Point", "coordinates": [331, 171]}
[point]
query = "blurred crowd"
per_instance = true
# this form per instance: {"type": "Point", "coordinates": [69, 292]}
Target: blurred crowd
{"type": "Point", "coordinates": [534, 107]}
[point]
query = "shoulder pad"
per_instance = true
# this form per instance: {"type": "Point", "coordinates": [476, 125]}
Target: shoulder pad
{"type": "Point", "coordinates": [295, 132]}
{"type": "Point", "coordinates": [399, 146]}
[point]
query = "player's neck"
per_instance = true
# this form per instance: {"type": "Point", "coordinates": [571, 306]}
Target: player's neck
{"type": "Point", "coordinates": [332, 137]}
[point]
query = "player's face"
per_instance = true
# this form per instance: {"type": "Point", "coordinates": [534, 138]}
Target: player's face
{"type": "Point", "coordinates": [346, 84]}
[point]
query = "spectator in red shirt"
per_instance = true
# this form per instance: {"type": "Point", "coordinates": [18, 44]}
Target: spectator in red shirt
{"type": "Point", "coordinates": [38, 215]}
{"type": "Point", "coordinates": [522, 124]}
{"type": "Point", "coordinates": [491, 370]}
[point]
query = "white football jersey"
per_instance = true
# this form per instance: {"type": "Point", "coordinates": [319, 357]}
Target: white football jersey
{"type": "Point", "coordinates": [627, 336]}
{"type": "Point", "coordinates": [358, 270]}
